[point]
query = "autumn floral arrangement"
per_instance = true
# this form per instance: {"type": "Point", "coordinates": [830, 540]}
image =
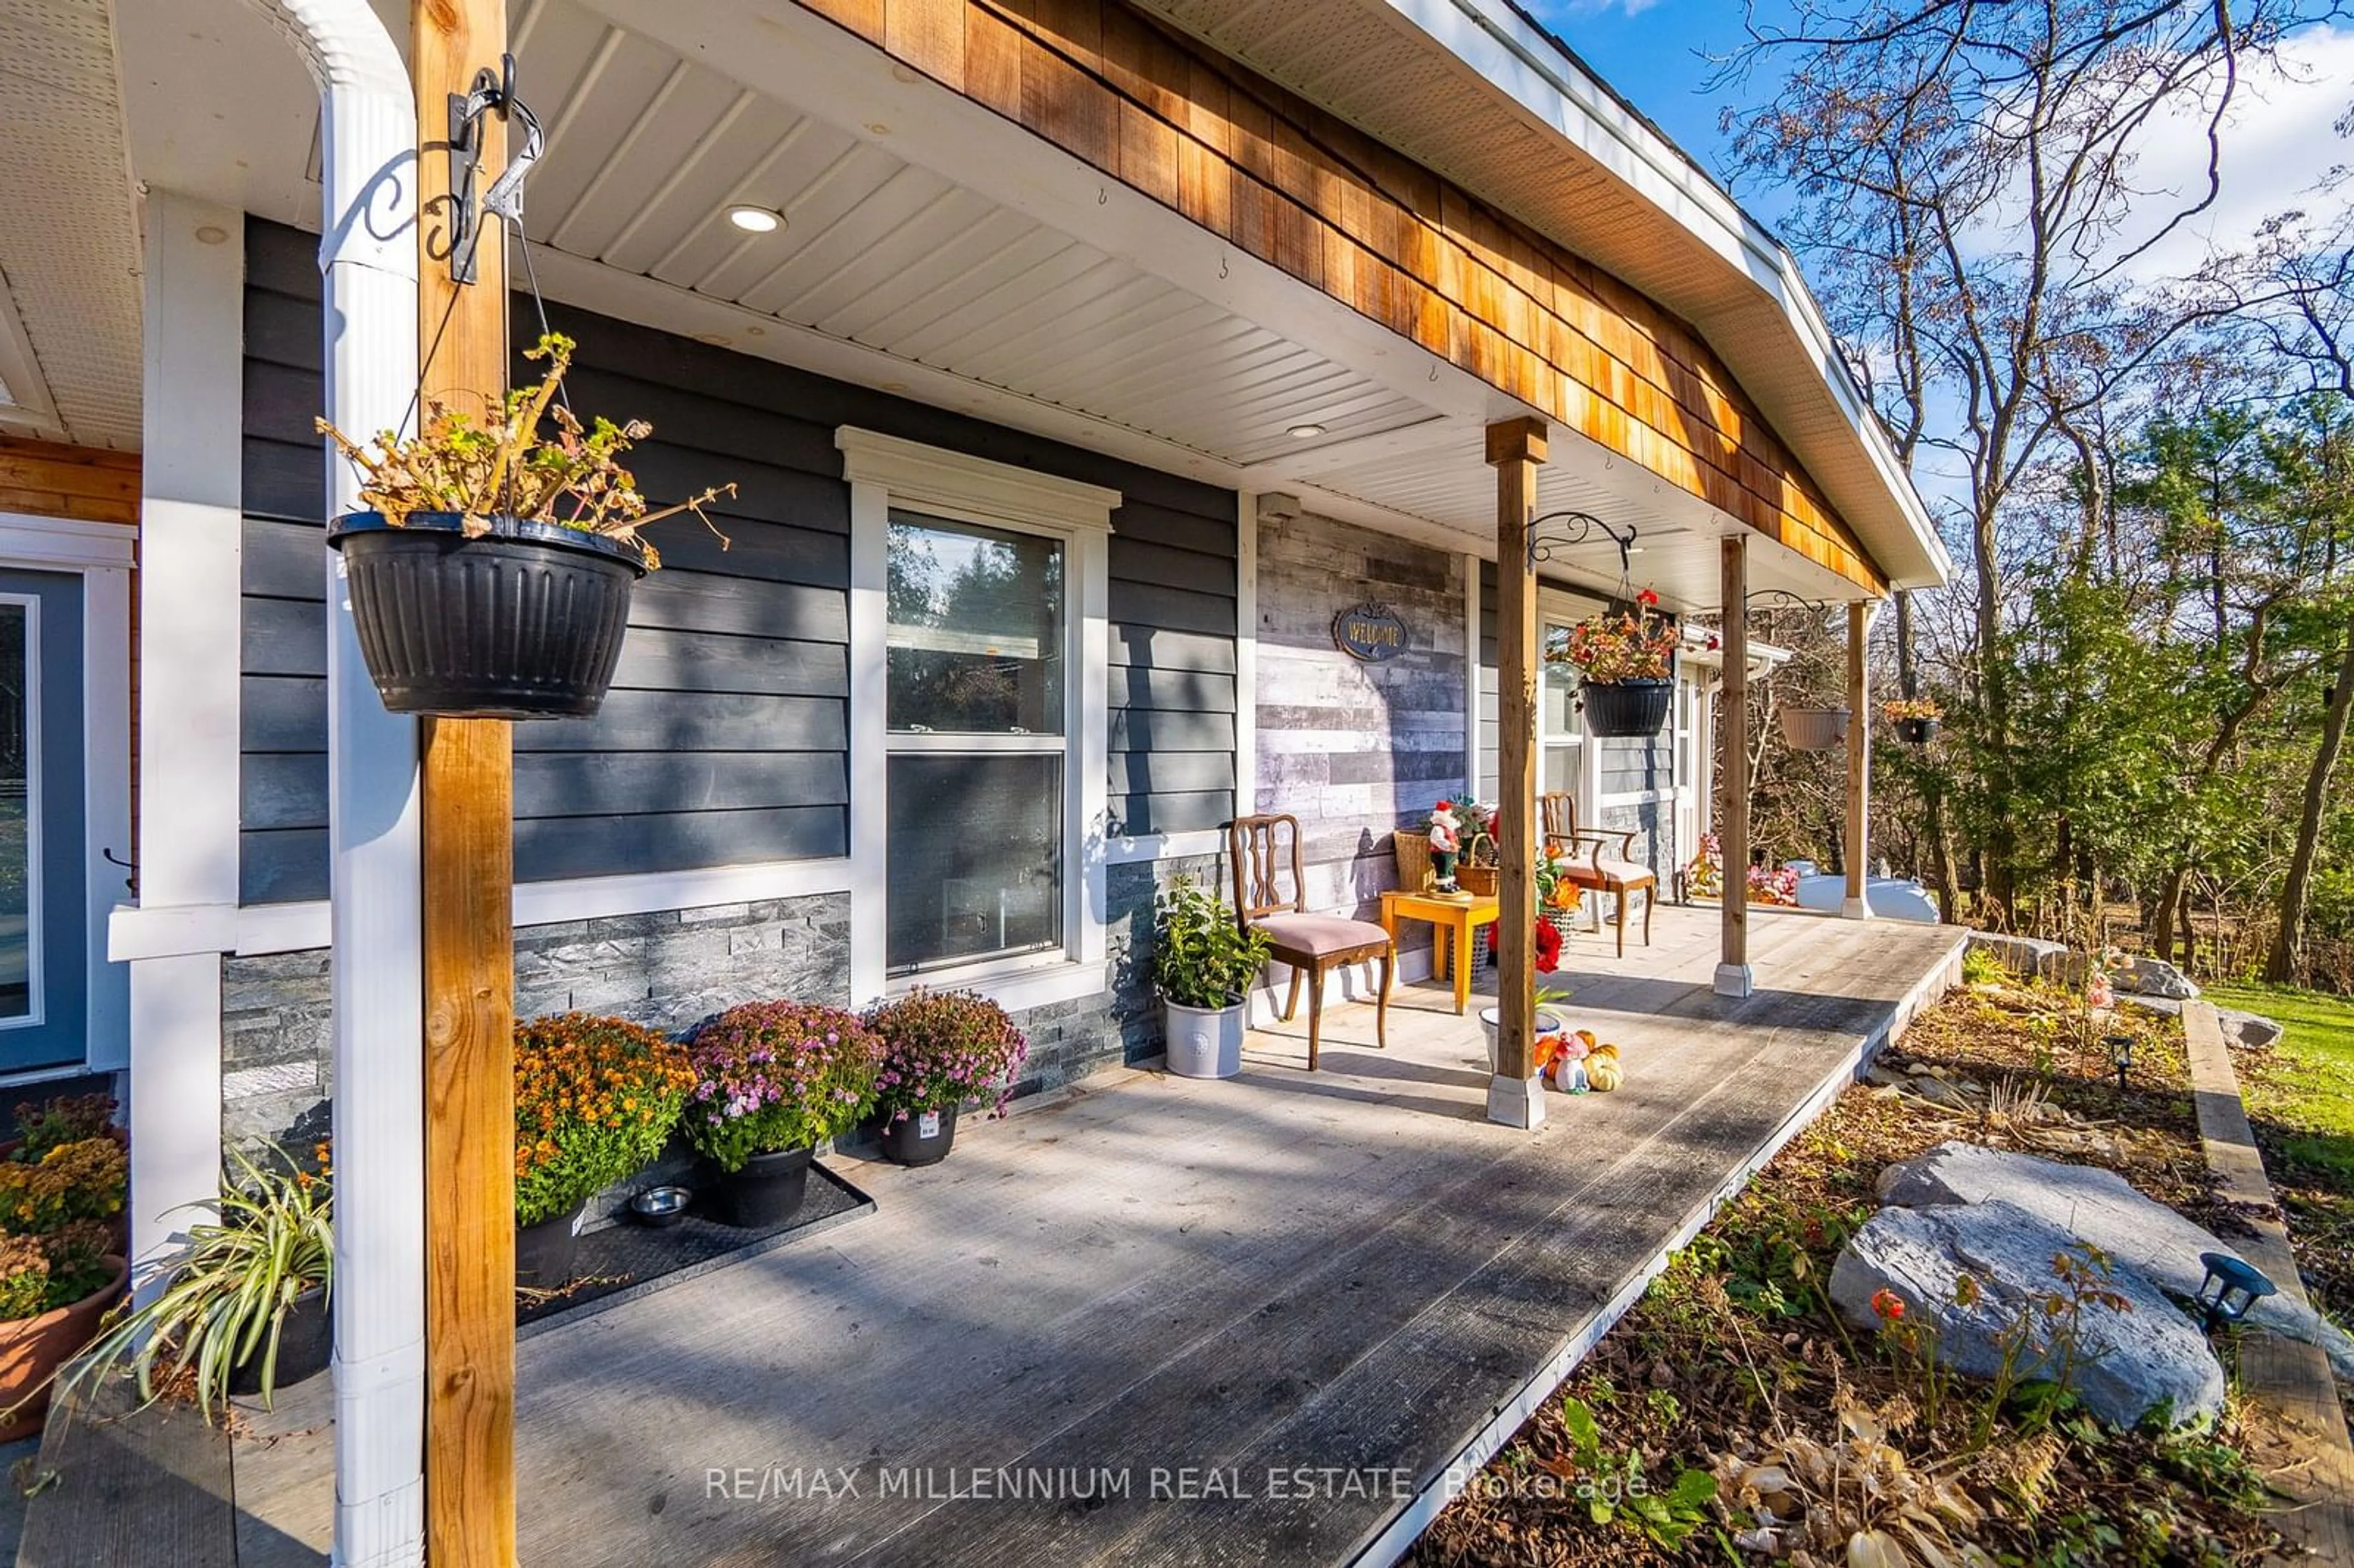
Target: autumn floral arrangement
{"type": "Point", "coordinates": [1897, 710]}
{"type": "Point", "coordinates": [595, 1100]}
{"type": "Point", "coordinates": [508, 465]}
{"type": "Point", "coordinates": [943, 1048]}
{"type": "Point", "coordinates": [772, 1075]}
{"type": "Point", "coordinates": [61, 1196]}
{"type": "Point", "coordinates": [69, 1118]}
{"type": "Point", "coordinates": [1618, 646]}
{"type": "Point", "coordinates": [1704, 877]}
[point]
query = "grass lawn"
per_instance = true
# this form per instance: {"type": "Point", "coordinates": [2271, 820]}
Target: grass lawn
{"type": "Point", "coordinates": [2300, 1097]}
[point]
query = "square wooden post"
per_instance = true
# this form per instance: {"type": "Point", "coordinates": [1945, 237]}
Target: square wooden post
{"type": "Point", "coordinates": [467, 948]}
{"type": "Point", "coordinates": [1733, 977]}
{"type": "Point", "coordinates": [1515, 1097]}
{"type": "Point", "coordinates": [1858, 904]}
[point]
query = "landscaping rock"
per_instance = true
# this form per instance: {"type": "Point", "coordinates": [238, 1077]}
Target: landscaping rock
{"type": "Point", "coordinates": [2153, 977]}
{"type": "Point", "coordinates": [2250, 1031]}
{"type": "Point", "coordinates": [2165, 1006]}
{"type": "Point", "coordinates": [2122, 1365]}
{"type": "Point", "coordinates": [2100, 1207]}
{"type": "Point", "coordinates": [2030, 958]}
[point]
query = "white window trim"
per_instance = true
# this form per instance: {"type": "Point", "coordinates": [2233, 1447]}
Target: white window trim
{"type": "Point", "coordinates": [884, 472]}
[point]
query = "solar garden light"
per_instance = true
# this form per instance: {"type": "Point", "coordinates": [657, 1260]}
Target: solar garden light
{"type": "Point", "coordinates": [2230, 1288]}
{"type": "Point", "coordinates": [2121, 1049]}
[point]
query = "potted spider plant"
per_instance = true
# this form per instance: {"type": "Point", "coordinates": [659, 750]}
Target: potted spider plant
{"type": "Point", "coordinates": [941, 1048]}
{"type": "Point", "coordinates": [1627, 662]}
{"type": "Point", "coordinates": [1204, 962]}
{"type": "Point", "coordinates": [244, 1304]}
{"type": "Point", "coordinates": [491, 578]}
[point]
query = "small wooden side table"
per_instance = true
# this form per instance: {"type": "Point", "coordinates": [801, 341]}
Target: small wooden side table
{"type": "Point", "coordinates": [1455, 919]}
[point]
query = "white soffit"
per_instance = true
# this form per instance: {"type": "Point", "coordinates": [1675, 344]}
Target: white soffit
{"type": "Point", "coordinates": [646, 151]}
{"type": "Point", "coordinates": [1482, 95]}
{"type": "Point", "coordinates": [68, 229]}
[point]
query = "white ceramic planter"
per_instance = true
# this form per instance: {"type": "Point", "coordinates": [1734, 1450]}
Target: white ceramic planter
{"type": "Point", "coordinates": [1491, 1024]}
{"type": "Point", "coordinates": [1204, 1042]}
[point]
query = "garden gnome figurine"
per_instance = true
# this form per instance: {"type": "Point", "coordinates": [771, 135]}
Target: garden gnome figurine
{"type": "Point", "coordinates": [1443, 844]}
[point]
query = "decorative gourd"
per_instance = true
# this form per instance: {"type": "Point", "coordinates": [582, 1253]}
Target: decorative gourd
{"type": "Point", "coordinates": [1603, 1071]}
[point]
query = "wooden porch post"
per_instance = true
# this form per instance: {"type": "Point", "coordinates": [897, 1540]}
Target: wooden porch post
{"type": "Point", "coordinates": [468, 944]}
{"type": "Point", "coordinates": [1733, 973]}
{"type": "Point", "coordinates": [1515, 1097]}
{"type": "Point", "coordinates": [1858, 905]}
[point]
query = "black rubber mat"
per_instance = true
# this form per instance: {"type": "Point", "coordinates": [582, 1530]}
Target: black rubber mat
{"type": "Point", "coordinates": [625, 1261]}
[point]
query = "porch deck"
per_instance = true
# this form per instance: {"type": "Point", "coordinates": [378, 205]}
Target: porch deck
{"type": "Point", "coordinates": [1353, 1271]}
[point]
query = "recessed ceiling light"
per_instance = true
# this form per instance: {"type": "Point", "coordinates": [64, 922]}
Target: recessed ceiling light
{"type": "Point", "coordinates": [212, 234]}
{"type": "Point", "coordinates": [755, 220]}
{"type": "Point", "coordinates": [1302, 432]}
{"type": "Point", "coordinates": [878, 128]}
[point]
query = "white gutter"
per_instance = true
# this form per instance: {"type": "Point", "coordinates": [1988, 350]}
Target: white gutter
{"type": "Point", "coordinates": [369, 256]}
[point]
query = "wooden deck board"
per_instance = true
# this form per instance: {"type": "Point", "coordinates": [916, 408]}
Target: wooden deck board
{"type": "Point", "coordinates": [1353, 1268]}
{"type": "Point", "coordinates": [130, 1486]}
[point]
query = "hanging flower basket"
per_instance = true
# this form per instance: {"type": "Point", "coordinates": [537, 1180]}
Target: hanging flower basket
{"type": "Point", "coordinates": [524, 622]}
{"type": "Point", "coordinates": [1627, 708]}
{"type": "Point", "coordinates": [491, 578]}
{"type": "Point", "coordinates": [1916, 731]}
{"type": "Point", "coordinates": [1814, 729]}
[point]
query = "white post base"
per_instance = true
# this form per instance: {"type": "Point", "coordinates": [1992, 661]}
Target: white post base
{"type": "Point", "coordinates": [1516, 1102]}
{"type": "Point", "coordinates": [1855, 909]}
{"type": "Point", "coordinates": [1736, 980]}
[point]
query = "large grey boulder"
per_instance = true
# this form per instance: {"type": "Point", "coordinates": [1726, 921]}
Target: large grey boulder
{"type": "Point", "coordinates": [2153, 977]}
{"type": "Point", "coordinates": [2123, 1365]}
{"type": "Point", "coordinates": [2030, 958]}
{"type": "Point", "coordinates": [2101, 1207]}
{"type": "Point", "coordinates": [2249, 1030]}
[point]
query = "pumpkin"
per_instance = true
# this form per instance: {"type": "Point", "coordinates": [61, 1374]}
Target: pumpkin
{"type": "Point", "coordinates": [1603, 1073]}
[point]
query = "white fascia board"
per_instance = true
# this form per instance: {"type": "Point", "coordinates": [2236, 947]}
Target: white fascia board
{"type": "Point", "coordinates": [1502, 52]}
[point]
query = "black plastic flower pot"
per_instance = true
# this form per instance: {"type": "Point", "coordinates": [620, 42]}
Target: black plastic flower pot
{"type": "Point", "coordinates": [306, 1339]}
{"type": "Point", "coordinates": [919, 1137]}
{"type": "Point", "coordinates": [524, 621]}
{"type": "Point", "coordinates": [1916, 731]}
{"type": "Point", "coordinates": [767, 1191]}
{"type": "Point", "coordinates": [1627, 708]}
{"type": "Point", "coordinates": [544, 1251]}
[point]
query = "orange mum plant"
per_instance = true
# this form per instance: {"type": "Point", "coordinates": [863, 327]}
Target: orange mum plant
{"type": "Point", "coordinates": [595, 1101]}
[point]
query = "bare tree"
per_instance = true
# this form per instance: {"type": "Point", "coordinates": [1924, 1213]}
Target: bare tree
{"type": "Point", "coordinates": [1963, 183]}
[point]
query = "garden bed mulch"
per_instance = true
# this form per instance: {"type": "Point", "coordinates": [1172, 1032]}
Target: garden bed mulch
{"type": "Point", "coordinates": [1734, 1367]}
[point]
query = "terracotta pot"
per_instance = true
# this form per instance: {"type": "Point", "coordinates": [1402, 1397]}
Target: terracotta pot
{"type": "Point", "coordinates": [32, 1349]}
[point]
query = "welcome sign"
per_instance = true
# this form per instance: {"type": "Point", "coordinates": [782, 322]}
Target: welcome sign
{"type": "Point", "coordinates": [1371, 630]}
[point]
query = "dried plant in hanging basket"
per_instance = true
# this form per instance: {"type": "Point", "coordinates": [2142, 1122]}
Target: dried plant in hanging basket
{"type": "Point", "coordinates": [512, 466]}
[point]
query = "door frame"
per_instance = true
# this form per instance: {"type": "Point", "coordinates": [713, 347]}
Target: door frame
{"type": "Point", "coordinates": [104, 556]}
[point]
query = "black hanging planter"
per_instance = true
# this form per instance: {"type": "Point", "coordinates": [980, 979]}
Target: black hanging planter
{"type": "Point", "coordinates": [919, 1137]}
{"type": "Point", "coordinates": [1627, 708]}
{"type": "Point", "coordinates": [1916, 731]}
{"type": "Point", "coordinates": [524, 621]}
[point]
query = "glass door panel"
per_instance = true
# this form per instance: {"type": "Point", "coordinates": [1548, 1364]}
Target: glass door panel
{"type": "Point", "coordinates": [44, 913]}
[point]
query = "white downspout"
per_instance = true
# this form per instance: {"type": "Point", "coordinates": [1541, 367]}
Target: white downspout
{"type": "Point", "coordinates": [368, 257]}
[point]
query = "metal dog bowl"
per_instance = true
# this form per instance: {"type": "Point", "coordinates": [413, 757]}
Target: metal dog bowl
{"type": "Point", "coordinates": [661, 1206]}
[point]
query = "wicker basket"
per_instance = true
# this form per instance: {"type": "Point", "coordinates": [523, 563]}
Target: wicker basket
{"type": "Point", "coordinates": [1478, 880]}
{"type": "Point", "coordinates": [1413, 860]}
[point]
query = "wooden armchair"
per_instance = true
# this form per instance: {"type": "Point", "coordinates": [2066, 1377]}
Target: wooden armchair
{"type": "Point", "coordinates": [1590, 863]}
{"type": "Point", "coordinates": [1310, 944]}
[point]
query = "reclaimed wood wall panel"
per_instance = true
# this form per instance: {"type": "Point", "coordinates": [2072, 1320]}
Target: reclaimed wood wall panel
{"type": "Point", "coordinates": [1304, 191]}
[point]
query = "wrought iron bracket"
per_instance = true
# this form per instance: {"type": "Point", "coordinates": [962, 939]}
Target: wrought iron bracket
{"type": "Point", "coordinates": [1575, 529]}
{"type": "Point", "coordinates": [1783, 599]}
{"type": "Point", "coordinates": [493, 94]}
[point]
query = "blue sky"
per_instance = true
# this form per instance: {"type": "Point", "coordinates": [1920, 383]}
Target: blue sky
{"type": "Point", "coordinates": [1647, 51]}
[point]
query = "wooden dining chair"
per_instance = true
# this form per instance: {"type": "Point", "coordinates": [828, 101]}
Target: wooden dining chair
{"type": "Point", "coordinates": [1310, 944]}
{"type": "Point", "coordinates": [1589, 862]}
